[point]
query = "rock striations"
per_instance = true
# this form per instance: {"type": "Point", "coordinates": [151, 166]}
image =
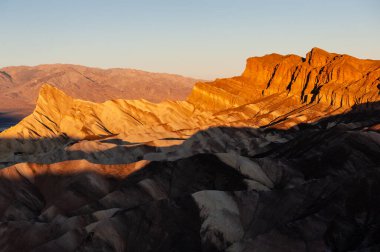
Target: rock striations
{"type": "Point", "coordinates": [322, 77]}
{"type": "Point", "coordinates": [284, 157]}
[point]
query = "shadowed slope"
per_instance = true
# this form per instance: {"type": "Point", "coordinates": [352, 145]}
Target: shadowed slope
{"type": "Point", "coordinates": [310, 188]}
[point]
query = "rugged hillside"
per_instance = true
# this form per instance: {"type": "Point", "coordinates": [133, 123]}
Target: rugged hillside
{"type": "Point", "coordinates": [273, 90]}
{"type": "Point", "coordinates": [19, 86]}
{"type": "Point", "coordinates": [251, 163]}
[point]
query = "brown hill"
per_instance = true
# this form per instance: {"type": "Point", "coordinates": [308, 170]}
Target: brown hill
{"type": "Point", "coordinates": [282, 158]}
{"type": "Point", "coordinates": [19, 86]}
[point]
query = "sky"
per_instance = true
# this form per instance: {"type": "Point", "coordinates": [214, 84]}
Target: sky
{"type": "Point", "coordinates": [204, 39]}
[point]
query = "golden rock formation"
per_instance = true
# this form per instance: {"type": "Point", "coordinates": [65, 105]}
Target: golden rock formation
{"type": "Point", "coordinates": [274, 89]}
{"type": "Point", "coordinates": [340, 81]}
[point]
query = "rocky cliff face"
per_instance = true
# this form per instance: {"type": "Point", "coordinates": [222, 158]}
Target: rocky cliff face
{"type": "Point", "coordinates": [245, 164]}
{"type": "Point", "coordinates": [322, 77]}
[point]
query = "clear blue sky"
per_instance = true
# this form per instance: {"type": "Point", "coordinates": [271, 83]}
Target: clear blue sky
{"type": "Point", "coordinates": [204, 39]}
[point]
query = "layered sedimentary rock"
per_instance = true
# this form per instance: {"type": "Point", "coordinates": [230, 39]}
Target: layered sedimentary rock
{"type": "Point", "coordinates": [245, 164]}
{"type": "Point", "coordinates": [332, 79]}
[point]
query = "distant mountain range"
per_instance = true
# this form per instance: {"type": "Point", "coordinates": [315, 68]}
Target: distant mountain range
{"type": "Point", "coordinates": [19, 85]}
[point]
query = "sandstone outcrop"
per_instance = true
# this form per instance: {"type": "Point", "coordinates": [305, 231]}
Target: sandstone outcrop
{"type": "Point", "coordinates": [332, 79]}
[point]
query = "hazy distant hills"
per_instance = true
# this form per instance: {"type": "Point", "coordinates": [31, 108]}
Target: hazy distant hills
{"type": "Point", "coordinates": [19, 85]}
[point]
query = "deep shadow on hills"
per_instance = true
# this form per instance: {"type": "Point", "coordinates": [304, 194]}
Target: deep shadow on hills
{"type": "Point", "coordinates": [361, 118]}
{"type": "Point", "coordinates": [316, 187]}
{"type": "Point", "coordinates": [71, 212]}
